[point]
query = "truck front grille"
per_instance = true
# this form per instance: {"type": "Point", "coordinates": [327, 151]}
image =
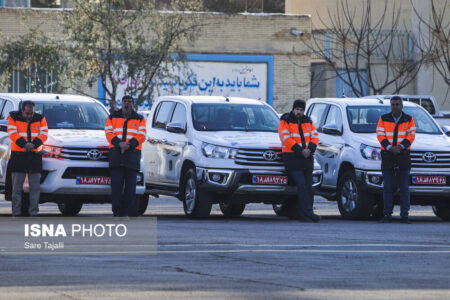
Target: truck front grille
{"type": "Point", "coordinates": [74, 172]}
{"type": "Point", "coordinates": [430, 159]}
{"type": "Point", "coordinates": [78, 153]}
{"type": "Point", "coordinates": [259, 157]}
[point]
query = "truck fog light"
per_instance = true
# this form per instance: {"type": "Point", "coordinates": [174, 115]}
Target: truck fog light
{"type": "Point", "coordinates": [138, 177]}
{"type": "Point", "coordinates": [315, 179]}
{"type": "Point", "coordinates": [375, 179]}
{"type": "Point", "coordinates": [216, 177]}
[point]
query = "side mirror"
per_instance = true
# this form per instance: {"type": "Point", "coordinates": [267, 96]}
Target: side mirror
{"type": "Point", "coordinates": [176, 127]}
{"type": "Point", "coordinates": [331, 129]}
{"type": "Point", "coordinates": [4, 125]}
{"type": "Point", "coordinates": [445, 128]}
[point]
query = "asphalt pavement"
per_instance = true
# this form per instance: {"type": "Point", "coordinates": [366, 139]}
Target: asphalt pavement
{"type": "Point", "coordinates": [258, 255]}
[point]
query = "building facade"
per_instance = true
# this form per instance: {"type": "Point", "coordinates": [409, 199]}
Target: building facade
{"type": "Point", "coordinates": [272, 63]}
{"type": "Point", "coordinates": [324, 82]}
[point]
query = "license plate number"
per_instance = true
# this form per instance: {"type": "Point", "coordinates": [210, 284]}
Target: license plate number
{"type": "Point", "coordinates": [94, 180]}
{"type": "Point", "coordinates": [429, 180]}
{"type": "Point", "coordinates": [270, 179]}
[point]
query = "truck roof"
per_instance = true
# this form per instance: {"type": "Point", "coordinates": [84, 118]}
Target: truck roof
{"type": "Point", "coordinates": [45, 97]}
{"type": "Point", "coordinates": [213, 99]}
{"type": "Point", "coordinates": [344, 102]}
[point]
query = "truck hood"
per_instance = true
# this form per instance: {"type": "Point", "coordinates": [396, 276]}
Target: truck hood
{"type": "Point", "coordinates": [76, 138]}
{"type": "Point", "coordinates": [422, 142]}
{"type": "Point", "coordinates": [241, 139]}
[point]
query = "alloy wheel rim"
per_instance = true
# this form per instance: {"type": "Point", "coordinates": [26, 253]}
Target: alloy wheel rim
{"type": "Point", "coordinates": [349, 195]}
{"type": "Point", "coordinates": [190, 195]}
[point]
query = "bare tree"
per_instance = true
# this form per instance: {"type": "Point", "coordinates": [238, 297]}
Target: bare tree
{"type": "Point", "coordinates": [435, 39]}
{"type": "Point", "coordinates": [362, 52]}
{"type": "Point", "coordinates": [128, 44]}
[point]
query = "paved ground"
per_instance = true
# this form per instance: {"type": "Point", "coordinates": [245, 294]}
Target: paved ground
{"type": "Point", "coordinates": [257, 256]}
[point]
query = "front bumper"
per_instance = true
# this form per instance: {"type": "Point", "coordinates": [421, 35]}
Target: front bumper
{"type": "Point", "coordinates": [238, 183]}
{"type": "Point", "coordinates": [56, 178]}
{"type": "Point", "coordinates": [373, 181]}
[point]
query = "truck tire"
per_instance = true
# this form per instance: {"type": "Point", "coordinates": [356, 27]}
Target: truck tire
{"type": "Point", "coordinates": [279, 209]}
{"type": "Point", "coordinates": [442, 211]}
{"type": "Point", "coordinates": [197, 203]}
{"type": "Point", "coordinates": [232, 210]}
{"type": "Point", "coordinates": [70, 207]}
{"type": "Point", "coordinates": [353, 204]}
{"type": "Point", "coordinates": [288, 209]}
{"type": "Point", "coordinates": [140, 206]}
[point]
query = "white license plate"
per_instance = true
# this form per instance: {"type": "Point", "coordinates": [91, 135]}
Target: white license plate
{"type": "Point", "coordinates": [270, 179]}
{"type": "Point", "coordinates": [101, 180]}
{"type": "Point", "coordinates": [429, 180]}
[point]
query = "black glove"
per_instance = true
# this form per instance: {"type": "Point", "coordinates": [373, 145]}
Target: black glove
{"type": "Point", "coordinates": [297, 149]}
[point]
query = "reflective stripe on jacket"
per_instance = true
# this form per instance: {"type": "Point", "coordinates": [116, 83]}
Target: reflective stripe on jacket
{"type": "Point", "coordinates": [289, 132]}
{"type": "Point", "coordinates": [21, 132]}
{"type": "Point", "coordinates": [388, 133]}
{"type": "Point", "coordinates": [119, 128]}
{"type": "Point", "coordinates": [131, 129]}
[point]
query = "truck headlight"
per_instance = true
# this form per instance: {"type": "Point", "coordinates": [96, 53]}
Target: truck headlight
{"type": "Point", "coordinates": [371, 153]}
{"type": "Point", "coordinates": [214, 151]}
{"type": "Point", "coordinates": [51, 152]}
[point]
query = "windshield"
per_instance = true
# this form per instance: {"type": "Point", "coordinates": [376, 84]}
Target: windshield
{"type": "Point", "coordinates": [234, 117]}
{"type": "Point", "coordinates": [364, 119]}
{"type": "Point", "coordinates": [72, 115]}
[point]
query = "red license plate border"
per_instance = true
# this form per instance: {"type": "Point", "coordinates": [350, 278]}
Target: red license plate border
{"type": "Point", "coordinates": [265, 179]}
{"type": "Point", "coordinates": [93, 180]}
{"type": "Point", "coordinates": [428, 180]}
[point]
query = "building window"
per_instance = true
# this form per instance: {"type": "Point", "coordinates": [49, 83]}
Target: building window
{"type": "Point", "coordinates": [16, 3]}
{"type": "Point", "coordinates": [36, 3]}
{"type": "Point", "coordinates": [32, 81]}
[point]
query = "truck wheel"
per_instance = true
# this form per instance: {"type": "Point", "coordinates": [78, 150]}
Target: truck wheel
{"type": "Point", "coordinates": [442, 211]}
{"type": "Point", "coordinates": [196, 203]}
{"type": "Point", "coordinates": [232, 210]}
{"type": "Point", "coordinates": [70, 207]}
{"type": "Point", "coordinates": [279, 209]}
{"type": "Point", "coordinates": [378, 209]}
{"type": "Point", "coordinates": [288, 209]}
{"type": "Point", "coordinates": [140, 205]}
{"type": "Point", "coordinates": [353, 204]}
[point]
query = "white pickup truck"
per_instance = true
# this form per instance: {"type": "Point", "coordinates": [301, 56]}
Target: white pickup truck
{"type": "Point", "coordinates": [429, 103]}
{"type": "Point", "coordinates": [206, 150]}
{"type": "Point", "coordinates": [350, 157]}
{"type": "Point", "coordinates": [75, 155]}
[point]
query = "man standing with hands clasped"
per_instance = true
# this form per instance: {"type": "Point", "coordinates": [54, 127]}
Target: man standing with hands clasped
{"type": "Point", "coordinates": [396, 132]}
{"type": "Point", "coordinates": [27, 131]}
{"type": "Point", "coordinates": [125, 131]}
{"type": "Point", "coordinates": [299, 139]}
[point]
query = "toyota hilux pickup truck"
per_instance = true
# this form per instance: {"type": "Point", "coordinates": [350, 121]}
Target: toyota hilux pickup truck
{"type": "Point", "coordinates": [75, 155]}
{"type": "Point", "coordinates": [429, 103]}
{"type": "Point", "coordinates": [208, 150]}
{"type": "Point", "coordinates": [350, 156]}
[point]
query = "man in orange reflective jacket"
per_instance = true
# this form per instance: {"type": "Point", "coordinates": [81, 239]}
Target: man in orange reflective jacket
{"type": "Point", "coordinates": [396, 132]}
{"type": "Point", "coordinates": [125, 131]}
{"type": "Point", "coordinates": [27, 131]}
{"type": "Point", "coordinates": [299, 139]}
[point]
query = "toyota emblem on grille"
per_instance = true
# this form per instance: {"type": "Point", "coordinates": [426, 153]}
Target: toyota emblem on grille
{"type": "Point", "coordinates": [429, 157]}
{"type": "Point", "coordinates": [270, 155]}
{"type": "Point", "coordinates": [94, 154]}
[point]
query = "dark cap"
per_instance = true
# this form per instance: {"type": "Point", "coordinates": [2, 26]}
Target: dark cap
{"type": "Point", "coordinates": [299, 103]}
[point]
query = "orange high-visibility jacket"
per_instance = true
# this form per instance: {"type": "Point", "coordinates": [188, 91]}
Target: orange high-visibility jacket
{"type": "Point", "coordinates": [290, 135]}
{"type": "Point", "coordinates": [21, 132]}
{"type": "Point", "coordinates": [119, 128]}
{"type": "Point", "coordinates": [389, 134]}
